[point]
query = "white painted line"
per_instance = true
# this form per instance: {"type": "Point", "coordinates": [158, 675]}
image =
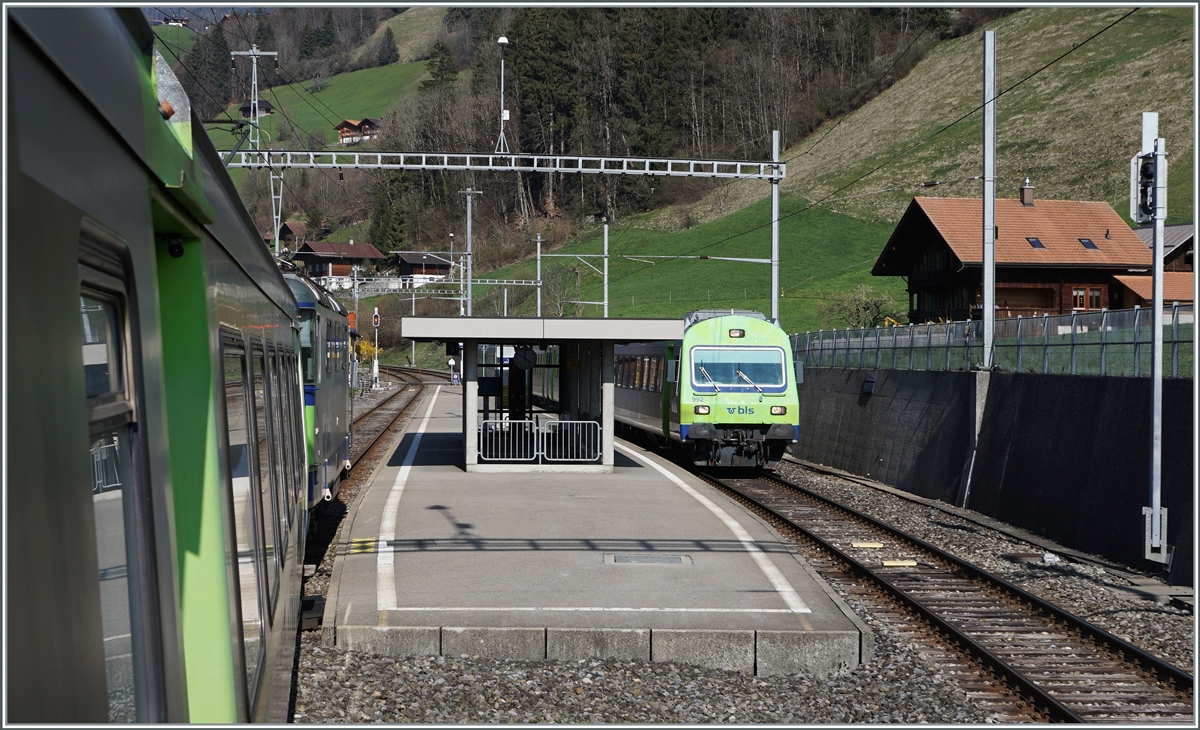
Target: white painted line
{"type": "Point", "coordinates": [385, 583]}
{"type": "Point", "coordinates": [647, 609]}
{"type": "Point", "coordinates": [781, 584]}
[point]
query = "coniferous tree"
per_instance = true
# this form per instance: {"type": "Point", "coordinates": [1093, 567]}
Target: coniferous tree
{"type": "Point", "coordinates": [442, 74]}
{"type": "Point", "coordinates": [206, 77]}
{"type": "Point", "coordinates": [387, 52]}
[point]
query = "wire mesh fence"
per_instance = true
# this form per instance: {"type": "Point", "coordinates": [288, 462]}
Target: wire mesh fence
{"type": "Point", "coordinates": [1102, 342]}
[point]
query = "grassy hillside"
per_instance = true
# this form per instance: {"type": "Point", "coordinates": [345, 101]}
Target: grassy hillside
{"type": "Point", "coordinates": [354, 95]}
{"type": "Point", "coordinates": [177, 39]}
{"type": "Point", "coordinates": [1071, 128]}
{"type": "Point", "coordinates": [414, 30]}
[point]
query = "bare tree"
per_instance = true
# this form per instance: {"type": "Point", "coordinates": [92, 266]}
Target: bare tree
{"type": "Point", "coordinates": [859, 307]}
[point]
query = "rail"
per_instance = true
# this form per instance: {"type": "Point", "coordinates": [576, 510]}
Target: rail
{"type": "Point", "coordinates": [1104, 342]}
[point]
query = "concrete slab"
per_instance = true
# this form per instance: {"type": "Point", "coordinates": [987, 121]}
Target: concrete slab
{"type": "Point", "coordinates": [567, 566]}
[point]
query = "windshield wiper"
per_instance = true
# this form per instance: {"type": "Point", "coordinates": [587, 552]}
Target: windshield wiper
{"type": "Point", "coordinates": [748, 380]}
{"type": "Point", "coordinates": [705, 374]}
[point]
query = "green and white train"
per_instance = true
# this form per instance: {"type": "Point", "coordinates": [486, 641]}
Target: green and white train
{"type": "Point", "coordinates": [156, 501]}
{"type": "Point", "coordinates": [724, 395]}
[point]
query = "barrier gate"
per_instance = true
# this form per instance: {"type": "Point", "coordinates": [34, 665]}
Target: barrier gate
{"type": "Point", "coordinates": [552, 442]}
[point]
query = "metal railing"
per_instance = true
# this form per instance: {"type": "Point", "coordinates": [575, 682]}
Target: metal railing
{"type": "Point", "coordinates": [1100, 342]}
{"type": "Point", "coordinates": [106, 464]}
{"type": "Point", "coordinates": [526, 441]}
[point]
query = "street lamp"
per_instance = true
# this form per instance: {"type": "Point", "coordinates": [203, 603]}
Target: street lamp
{"type": "Point", "coordinates": [502, 144]}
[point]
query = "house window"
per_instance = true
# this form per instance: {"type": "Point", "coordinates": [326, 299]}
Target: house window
{"type": "Point", "coordinates": [1036, 243]}
{"type": "Point", "coordinates": [1094, 299]}
{"type": "Point", "coordinates": [1079, 298]}
{"type": "Point", "coordinates": [1087, 243]}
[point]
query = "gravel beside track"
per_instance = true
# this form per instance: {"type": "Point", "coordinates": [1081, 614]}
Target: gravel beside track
{"type": "Point", "coordinates": [338, 686]}
{"type": "Point", "coordinates": [1080, 588]}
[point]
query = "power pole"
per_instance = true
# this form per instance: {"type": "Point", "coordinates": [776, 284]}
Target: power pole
{"type": "Point", "coordinates": [539, 274]}
{"type": "Point", "coordinates": [255, 137]}
{"type": "Point", "coordinates": [989, 195]}
{"type": "Point", "coordinates": [470, 193]}
{"type": "Point", "coordinates": [774, 237]}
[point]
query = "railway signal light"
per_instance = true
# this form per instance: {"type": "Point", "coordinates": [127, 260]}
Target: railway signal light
{"type": "Point", "coordinates": [1142, 181]}
{"type": "Point", "coordinates": [375, 318]}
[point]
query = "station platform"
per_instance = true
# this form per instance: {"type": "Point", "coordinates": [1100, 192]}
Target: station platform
{"type": "Point", "coordinates": [646, 563]}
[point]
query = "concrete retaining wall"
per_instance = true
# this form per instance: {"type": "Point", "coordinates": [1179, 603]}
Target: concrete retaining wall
{"type": "Point", "coordinates": [914, 432]}
{"type": "Point", "coordinates": [1066, 457]}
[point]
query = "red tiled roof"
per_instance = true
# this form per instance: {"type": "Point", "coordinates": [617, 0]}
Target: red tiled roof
{"type": "Point", "coordinates": [1058, 224]}
{"type": "Point", "coordinates": [343, 250]}
{"type": "Point", "coordinates": [1178, 286]}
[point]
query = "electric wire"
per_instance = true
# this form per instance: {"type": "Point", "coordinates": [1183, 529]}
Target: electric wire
{"type": "Point", "coordinates": [898, 155]}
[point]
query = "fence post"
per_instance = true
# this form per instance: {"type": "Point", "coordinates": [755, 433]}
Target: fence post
{"type": "Point", "coordinates": [1104, 341]}
{"type": "Point", "coordinates": [1137, 345]}
{"type": "Point", "coordinates": [949, 327]}
{"type": "Point", "coordinates": [1045, 343]}
{"type": "Point", "coordinates": [1175, 339]}
{"type": "Point", "coordinates": [1019, 361]}
{"type": "Point", "coordinates": [929, 345]}
{"type": "Point", "coordinates": [1073, 315]}
{"type": "Point", "coordinates": [862, 347]}
{"type": "Point", "coordinates": [878, 337]}
{"type": "Point", "coordinates": [894, 331]}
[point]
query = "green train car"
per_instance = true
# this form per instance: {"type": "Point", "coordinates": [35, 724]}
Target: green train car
{"type": "Point", "coordinates": [156, 465]}
{"type": "Point", "coordinates": [725, 394]}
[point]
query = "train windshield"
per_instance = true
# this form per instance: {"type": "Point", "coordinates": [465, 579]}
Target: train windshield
{"type": "Point", "coordinates": [737, 367]}
{"type": "Point", "coordinates": [306, 344]}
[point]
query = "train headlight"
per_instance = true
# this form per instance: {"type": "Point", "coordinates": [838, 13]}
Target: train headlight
{"type": "Point", "coordinates": [700, 410]}
{"type": "Point", "coordinates": [778, 410]}
{"type": "Point", "coordinates": [737, 333]}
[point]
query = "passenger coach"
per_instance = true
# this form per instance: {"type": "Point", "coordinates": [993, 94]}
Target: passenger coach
{"type": "Point", "coordinates": [155, 474]}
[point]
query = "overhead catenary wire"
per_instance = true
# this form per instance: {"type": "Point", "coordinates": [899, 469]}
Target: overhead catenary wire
{"type": "Point", "coordinates": [1075, 47]}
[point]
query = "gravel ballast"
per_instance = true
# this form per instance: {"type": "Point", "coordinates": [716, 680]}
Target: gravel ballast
{"type": "Point", "coordinates": [339, 686]}
{"type": "Point", "coordinates": [1080, 588]}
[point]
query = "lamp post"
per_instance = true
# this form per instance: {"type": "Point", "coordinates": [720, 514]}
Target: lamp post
{"type": "Point", "coordinates": [502, 143]}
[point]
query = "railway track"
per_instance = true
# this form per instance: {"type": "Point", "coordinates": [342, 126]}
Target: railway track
{"type": "Point", "coordinates": [368, 429]}
{"type": "Point", "coordinates": [1012, 651]}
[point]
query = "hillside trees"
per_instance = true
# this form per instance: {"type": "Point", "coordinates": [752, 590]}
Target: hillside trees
{"type": "Point", "coordinates": [205, 77]}
{"type": "Point", "coordinates": [386, 52]}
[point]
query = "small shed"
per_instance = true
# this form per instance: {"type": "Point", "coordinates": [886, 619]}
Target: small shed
{"type": "Point", "coordinates": [421, 265]}
{"type": "Point", "coordinates": [247, 108]}
{"type": "Point", "coordinates": [1137, 290]}
{"type": "Point", "coordinates": [293, 233]}
{"type": "Point", "coordinates": [1179, 245]}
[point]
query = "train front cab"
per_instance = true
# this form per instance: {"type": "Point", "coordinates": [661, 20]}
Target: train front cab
{"type": "Point", "coordinates": [736, 403]}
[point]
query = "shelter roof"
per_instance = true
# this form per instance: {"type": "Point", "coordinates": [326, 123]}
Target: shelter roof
{"type": "Point", "coordinates": [511, 330]}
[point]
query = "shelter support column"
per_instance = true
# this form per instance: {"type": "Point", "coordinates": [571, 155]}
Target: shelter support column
{"type": "Point", "coordinates": [607, 402]}
{"type": "Point", "coordinates": [470, 381]}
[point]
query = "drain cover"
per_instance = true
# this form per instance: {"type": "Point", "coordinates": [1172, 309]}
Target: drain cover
{"type": "Point", "coordinates": [649, 559]}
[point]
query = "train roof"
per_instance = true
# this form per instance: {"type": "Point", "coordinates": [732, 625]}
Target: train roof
{"type": "Point", "coordinates": [309, 293]}
{"type": "Point", "coordinates": [700, 315]}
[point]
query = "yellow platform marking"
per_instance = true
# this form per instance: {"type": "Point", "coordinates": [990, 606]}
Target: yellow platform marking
{"type": "Point", "coordinates": [899, 563]}
{"type": "Point", "coordinates": [383, 619]}
{"type": "Point", "coordinates": [866, 544]}
{"type": "Point", "coordinates": [361, 545]}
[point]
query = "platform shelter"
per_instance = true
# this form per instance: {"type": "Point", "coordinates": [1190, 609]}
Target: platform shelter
{"type": "Point", "coordinates": [538, 394]}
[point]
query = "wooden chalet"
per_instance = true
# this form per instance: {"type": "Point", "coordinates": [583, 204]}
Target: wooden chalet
{"type": "Point", "coordinates": [1179, 278]}
{"type": "Point", "coordinates": [332, 259]}
{"type": "Point", "coordinates": [293, 233]}
{"type": "Point", "coordinates": [1052, 256]}
{"type": "Point", "coordinates": [351, 131]}
{"type": "Point", "coordinates": [1179, 244]}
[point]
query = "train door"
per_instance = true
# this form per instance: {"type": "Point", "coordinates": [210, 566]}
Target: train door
{"type": "Point", "coordinates": [121, 499]}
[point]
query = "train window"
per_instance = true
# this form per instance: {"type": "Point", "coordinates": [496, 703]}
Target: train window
{"type": "Point", "coordinates": [329, 354]}
{"type": "Point", "coordinates": [652, 381]}
{"type": "Point", "coordinates": [637, 373]}
{"type": "Point", "coordinates": [120, 501]}
{"type": "Point", "coordinates": [742, 367]}
{"type": "Point", "coordinates": [275, 403]}
{"type": "Point", "coordinates": [247, 582]}
{"type": "Point", "coordinates": [270, 509]}
{"type": "Point", "coordinates": [296, 417]}
{"type": "Point", "coordinates": [306, 344]}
